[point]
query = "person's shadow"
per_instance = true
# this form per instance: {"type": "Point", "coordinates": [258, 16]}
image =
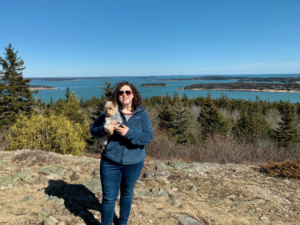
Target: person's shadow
{"type": "Point", "coordinates": [78, 200]}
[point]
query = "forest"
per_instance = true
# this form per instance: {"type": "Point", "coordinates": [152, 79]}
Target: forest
{"type": "Point", "coordinates": [241, 85]}
{"type": "Point", "coordinates": [202, 129]}
{"type": "Point", "coordinates": [290, 79]}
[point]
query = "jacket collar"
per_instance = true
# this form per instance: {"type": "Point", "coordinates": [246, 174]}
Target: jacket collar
{"type": "Point", "coordinates": [139, 109]}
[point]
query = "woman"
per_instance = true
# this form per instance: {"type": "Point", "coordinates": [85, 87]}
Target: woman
{"type": "Point", "coordinates": [123, 159]}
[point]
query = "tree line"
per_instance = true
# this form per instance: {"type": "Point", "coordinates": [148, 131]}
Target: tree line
{"type": "Point", "coordinates": [241, 85]}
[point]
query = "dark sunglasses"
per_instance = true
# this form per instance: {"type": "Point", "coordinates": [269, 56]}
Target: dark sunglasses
{"type": "Point", "coordinates": [126, 92]}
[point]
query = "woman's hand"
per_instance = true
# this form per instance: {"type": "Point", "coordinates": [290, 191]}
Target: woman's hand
{"type": "Point", "coordinates": [121, 130]}
{"type": "Point", "coordinates": [113, 124]}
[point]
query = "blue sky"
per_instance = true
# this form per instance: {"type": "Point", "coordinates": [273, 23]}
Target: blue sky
{"type": "Point", "coordinates": [152, 37]}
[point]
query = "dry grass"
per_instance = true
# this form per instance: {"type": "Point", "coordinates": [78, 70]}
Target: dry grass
{"type": "Point", "coordinates": [36, 157]}
{"type": "Point", "coordinates": [219, 149]}
{"type": "Point", "coordinates": [288, 168]}
{"type": "Point", "coordinates": [96, 155]}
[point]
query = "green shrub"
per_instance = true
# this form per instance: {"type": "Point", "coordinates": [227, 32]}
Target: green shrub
{"type": "Point", "coordinates": [50, 133]}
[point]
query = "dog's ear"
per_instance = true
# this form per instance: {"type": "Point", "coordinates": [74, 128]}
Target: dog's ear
{"type": "Point", "coordinates": [105, 100]}
{"type": "Point", "coordinates": [115, 104]}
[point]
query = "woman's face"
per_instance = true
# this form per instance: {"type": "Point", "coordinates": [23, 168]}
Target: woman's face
{"type": "Point", "coordinates": [125, 98]}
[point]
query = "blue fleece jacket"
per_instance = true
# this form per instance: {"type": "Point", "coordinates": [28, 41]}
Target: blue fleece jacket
{"type": "Point", "coordinates": [128, 149]}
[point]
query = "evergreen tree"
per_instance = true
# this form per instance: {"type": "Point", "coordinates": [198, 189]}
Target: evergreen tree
{"type": "Point", "coordinates": [71, 109]}
{"type": "Point", "coordinates": [15, 95]}
{"type": "Point", "coordinates": [108, 90]}
{"type": "Point", "coordinates": [180, 126]}
{"type": "Point", "coordinates": [68, 94]}
{"type": "Point", "coordinates": [243, 125]}
{"type": "Point", "coordinates": [81, 102]}
{"type": "Point", "coordinates": [99, 108]}
{"type": "Point", "coordinates": [155, 101]}
{"type": "Point", "coordinates": [51, 101]}
{"type": "Point", "coordinates": [146, 102]}
{"type": "Point", "coordinates": [166, 117]}
{"type": "Point", "coordinates": [211, 120]}
{"type": "Point", "coordinates": [166, 100]}
{"type": "Point", "coordinates": [176, 99]}
{"type": "Point", "coordinates": [223, 101]}
{"type": "Point", "coordinates": [286, 133]}
{"type": "Point", "coordinates": [185, 100]}
{"type": "Point", "coordinates": [252, 126]}
{"type": "Point", "coordinates": [259, 127]}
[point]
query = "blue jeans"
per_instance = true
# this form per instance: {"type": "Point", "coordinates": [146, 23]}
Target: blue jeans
{"type": "Point", "coordinates": [115, 177]}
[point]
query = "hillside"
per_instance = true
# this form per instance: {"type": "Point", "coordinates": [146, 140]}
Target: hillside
{"type": "Point", "coordinates": [46, 187]}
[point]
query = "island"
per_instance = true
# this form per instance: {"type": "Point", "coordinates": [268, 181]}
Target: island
{"type": "Point", "coordinates": [204, 78]}
{"type": "Point", "coordinates": [263, 87]}
{"type": "Point", "coordinates": [145, 77]}
{"type": "Point", "coordinates": [68, 78]}
{"type": "Point", "coordinates": [290, 79]}
{"type": "Point", "coordinates": [50, 79]}
{"type": "Point", "coordinates": [154, 85]}
{"type": "Point", "coordinates": [41, 87]}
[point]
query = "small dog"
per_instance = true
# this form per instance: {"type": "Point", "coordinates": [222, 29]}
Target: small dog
{"type": "Point", "coordinates": [112, 117]}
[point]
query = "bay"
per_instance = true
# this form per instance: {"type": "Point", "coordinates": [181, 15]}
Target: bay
{"type": "Point", "coordinates": [87, 88]}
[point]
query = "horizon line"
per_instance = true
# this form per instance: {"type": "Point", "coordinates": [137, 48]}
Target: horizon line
{"type": "Point", "coordinates": [173, 75]}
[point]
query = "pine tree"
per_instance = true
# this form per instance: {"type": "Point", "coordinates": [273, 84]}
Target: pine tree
{"type": "Point", "coordinates": [15, 95]}
{"type": "Point", "coordinates": [146, 102]}
{"type": "Point", "coordinates": [211, 120]}
{"type": "Point", "coordinates": [108, 90]}
{"type": "Point", "coordinates": [176, 99]}
{"type": "Point", "coordinates": [185, 100]}
{"type": "Point", "coordinates": [51, 101]}
{"type": "Point", "coordinates": [68, 94]}
{"type": "Point", "coordinates": [166, 117]}
{"type": "Point", "coordinates": [223, 101]}
{"type": "Point", "coordinates": [252, 126]}
{"type": "Point", "coordinates": [81, 102]}
{"type": "Point", "coordinates": [243, 125]}
{"type": "Point", "coordinates": [259, 127]}
{"type": "Point", "coordinates": [286, 133]}
{"type": "Point", "coordinates": [166, 100]}
{"type": "Point", "coordinates": [181, 124]}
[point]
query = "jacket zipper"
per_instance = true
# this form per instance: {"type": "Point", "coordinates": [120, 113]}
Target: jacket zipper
{"type": "Point", "coordinates": [127, 126]}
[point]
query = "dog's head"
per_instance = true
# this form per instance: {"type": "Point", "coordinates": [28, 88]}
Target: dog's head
{"type": "Point", "coordinates": [111, 108]}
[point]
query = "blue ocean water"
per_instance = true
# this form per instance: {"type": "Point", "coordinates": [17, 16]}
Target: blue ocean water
{"type": "Point", "coordinates": [87, 88]}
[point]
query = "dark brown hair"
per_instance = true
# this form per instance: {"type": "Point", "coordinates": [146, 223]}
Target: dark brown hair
{"type": "Point", "coordinates": [137, 99]}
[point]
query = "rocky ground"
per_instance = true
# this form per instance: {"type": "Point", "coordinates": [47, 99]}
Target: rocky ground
{"type": "Point", "coordinates": [47, 188]}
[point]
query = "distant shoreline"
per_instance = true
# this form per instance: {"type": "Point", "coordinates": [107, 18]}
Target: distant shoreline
{"type": "Point", "coordinates": [42, 88]}
{"type": "Point", "coordinates": [243, 90]}
{"type": "Point", "coordinates": [154, 85]}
